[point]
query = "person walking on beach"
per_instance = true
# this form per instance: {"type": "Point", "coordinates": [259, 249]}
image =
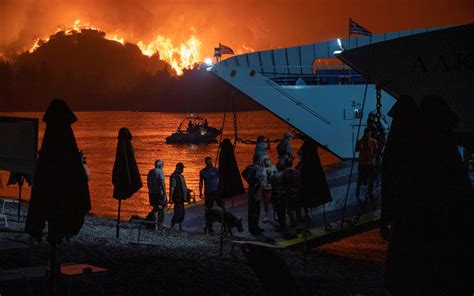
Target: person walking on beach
{"type": "Point", "coordinates": [368, 149]}
{"type": "Point", "coordinates": [84, 164]}
{"type": "Point", "coordinates": [157, 192]}
{"type": "Point", "coordinates": [260, 147]}
{"type": "Point", "coordinates": [178, 192]}
{"type": "Point", "coordinates": [253, 176]}
{"type": "Point", "coordinates": [209, 180]}
{"type": "Point", "coordinates": [284, 148]}
{"type": "Point", "coordinates": [267, 171]}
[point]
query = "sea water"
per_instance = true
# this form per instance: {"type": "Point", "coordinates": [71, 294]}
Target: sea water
{"type": "Point", "coordinates": [96, 134]}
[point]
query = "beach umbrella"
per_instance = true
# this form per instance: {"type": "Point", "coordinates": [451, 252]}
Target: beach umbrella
{"type": "Point", "coordinates": [400, 154]}
{"type": "Point", "coordinates": [230, 182]}
{"type": "Point", "coordinates": [314, 186]}
{"type": "Point", "coordinates": [125, 174]}
{"type": "Point", "coordinates": [60, 194]}
{"type": "Point", "coordinates": [19, 178]}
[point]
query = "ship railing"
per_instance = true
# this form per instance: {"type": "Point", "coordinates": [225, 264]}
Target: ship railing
{"type": "Point", "coordinates": [312, 75]}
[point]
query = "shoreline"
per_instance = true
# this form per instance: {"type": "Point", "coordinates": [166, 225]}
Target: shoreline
{"type": "Point", "coordinates": [189, 262]}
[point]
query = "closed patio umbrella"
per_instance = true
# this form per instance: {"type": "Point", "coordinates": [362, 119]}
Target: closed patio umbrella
{"type": "Point", "coordinates": [125, 174]}
{"type": "Point", "coordinates": [314, 186]}
{"type": "Point", "coordinates": [60, 194]}
{"type": "Point", "coordinates": [230, 182]}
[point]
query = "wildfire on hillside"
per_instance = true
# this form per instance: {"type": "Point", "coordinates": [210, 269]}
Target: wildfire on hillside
{"type": "Point", "coordinates": [181, 56]}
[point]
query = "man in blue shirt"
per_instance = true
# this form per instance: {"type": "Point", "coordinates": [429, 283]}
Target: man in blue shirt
{"type": "Point", "coordinates": [260, 147]}
{"type": "Point", "coordinates": [209, 179]}
{"type": "Point", "coordinates": [284, 148]}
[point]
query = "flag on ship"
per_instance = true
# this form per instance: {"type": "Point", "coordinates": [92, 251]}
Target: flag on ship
{"type": "Point", "coordinates": [355, 28]}
{"type": "Point", "coordinates": [225, 49]}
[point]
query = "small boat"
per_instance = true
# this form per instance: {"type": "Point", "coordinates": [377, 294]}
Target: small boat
{"type": "Point", "coordinates": [197, 131]}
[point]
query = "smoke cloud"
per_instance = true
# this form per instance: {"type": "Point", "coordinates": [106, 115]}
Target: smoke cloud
{"type": "Point", "coordinates": [244, 25]}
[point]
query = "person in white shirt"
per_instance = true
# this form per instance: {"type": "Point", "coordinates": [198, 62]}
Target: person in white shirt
{"type": "Point", "coordinates": [267, 171]}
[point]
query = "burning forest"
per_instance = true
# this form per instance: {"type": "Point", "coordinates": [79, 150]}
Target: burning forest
{"type": "Point", "coordinates": [95, 70]}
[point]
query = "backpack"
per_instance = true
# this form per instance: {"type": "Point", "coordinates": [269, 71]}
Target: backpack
{"type": "Point", "coordinates": [281, 149]}
{"type": "Point", "coordinates": [250, 176]}
{"type": "Point", "coordinates": [292, 182]}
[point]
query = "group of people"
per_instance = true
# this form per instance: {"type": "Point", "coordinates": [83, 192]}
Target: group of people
{"type": "Point", "coordinates": [193, 126]}
{"type": "Point", "coordinates": [179, 193]}
{"type": "Point", "coordinates": [278, 184]}
{"type": "Point", "coordinates": [267, 183]}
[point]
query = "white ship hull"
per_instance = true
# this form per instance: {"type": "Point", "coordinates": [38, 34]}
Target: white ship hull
{"type": "Point", "coordinates": [323, 104]}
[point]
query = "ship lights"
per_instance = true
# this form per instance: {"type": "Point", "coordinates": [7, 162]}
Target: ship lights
{"type": "Point", "coordinates": [341, 49]}
{"type": "Point", "coordinates": [208, 61]}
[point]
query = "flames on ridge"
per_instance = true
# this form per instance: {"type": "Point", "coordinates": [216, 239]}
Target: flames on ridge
{"type": "Point", "coordinates": [185, 55]}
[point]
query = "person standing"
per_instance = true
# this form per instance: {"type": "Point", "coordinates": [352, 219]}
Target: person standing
{"type": "Point", "coordinates": [260, 147]}
{"type": "Point", "coordinates": [284, 148]}
{"type": "Point", "coordinates": [253, 176]}
{"type": "Point", "coordinates": [277, 195]}
{"type": "Point", "coordinates": [368, 149]}
{"type": "Point", "coordinates": [178, 192]}
{"type": "Point", "coordinates": [157, 192]}
{"type": "Point", "coordinates": [84, 165]}
{"type": "Point", "coordinates": [267, 171]}
{"type": "Point", "coordinates": [209, 179]}
{"type": "Point", "coordinates": [291, 186]}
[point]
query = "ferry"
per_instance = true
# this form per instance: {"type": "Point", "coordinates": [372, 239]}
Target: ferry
{"type": "Point", "coordinates": [328, 90]}
{"type": "Point", "coordinates": [321, 88]}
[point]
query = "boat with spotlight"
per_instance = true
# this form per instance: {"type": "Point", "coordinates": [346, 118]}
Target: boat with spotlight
{"type": "Point", "coordinates": [197, 131]}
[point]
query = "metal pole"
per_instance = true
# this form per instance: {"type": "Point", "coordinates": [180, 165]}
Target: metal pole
{"type": "Point", "coordinates": [222, 228]}
{"type": "Point", "coordinates": [353, 158]}
{"type": "Point", "coordinates": [118, 218]}
{"type": "Point", "coordinates": [52, 269]}
{"type": "Point", "coordinates": [19, 197]}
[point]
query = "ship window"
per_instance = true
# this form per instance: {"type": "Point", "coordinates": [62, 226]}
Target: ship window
{"type": "Point", "coordinates": [334, 71]}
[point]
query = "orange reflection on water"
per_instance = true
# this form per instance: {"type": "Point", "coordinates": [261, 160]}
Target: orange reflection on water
{"type": "Point", "coordinates": [96, 134]}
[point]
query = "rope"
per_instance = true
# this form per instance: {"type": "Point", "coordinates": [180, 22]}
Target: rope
{"type": "Point", "coordinates": [353, 157]}
{"type": "Point", "coordinates": [378, 115]}
{"type": "Point", "coordinates": [238, 139]}
{"type": "Point", "coordinates": [236, 132]}
{"type": "Point", "coordinates": [222, 130]}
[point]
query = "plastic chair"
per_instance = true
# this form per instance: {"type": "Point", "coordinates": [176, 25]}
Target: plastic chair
{"type": "Point", "coordinates": [2, 213]}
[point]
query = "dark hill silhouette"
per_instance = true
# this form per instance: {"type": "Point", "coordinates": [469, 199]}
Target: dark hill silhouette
{"type": "Point", "coordinates": [93, 73]}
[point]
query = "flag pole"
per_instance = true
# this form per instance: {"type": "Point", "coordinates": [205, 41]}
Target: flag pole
{"type": "Point", "coordinates": [350, 21]}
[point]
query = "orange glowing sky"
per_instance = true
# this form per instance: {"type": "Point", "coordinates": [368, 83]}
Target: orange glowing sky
{"type": "Point", "coordinates": [243, 25]}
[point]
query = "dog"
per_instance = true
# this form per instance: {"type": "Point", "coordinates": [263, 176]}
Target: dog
{"type": "Point", "coordinates": [230, 221]}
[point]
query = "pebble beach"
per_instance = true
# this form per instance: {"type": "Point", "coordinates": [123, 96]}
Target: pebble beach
{"type": "Point", "coordinates": [188, 263]}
